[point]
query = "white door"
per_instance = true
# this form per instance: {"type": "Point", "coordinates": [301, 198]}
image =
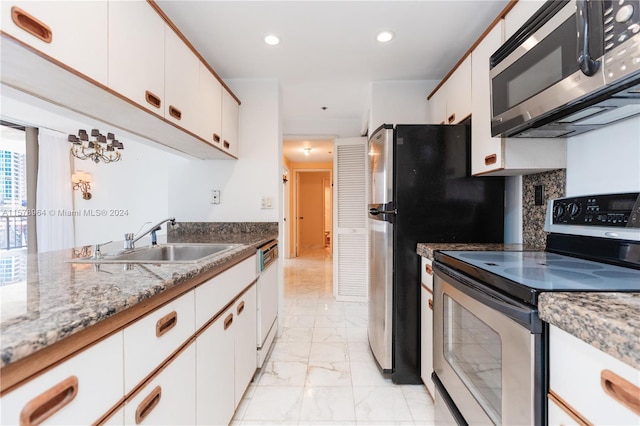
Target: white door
{"type": "Point", "coordinates": [350, 260]}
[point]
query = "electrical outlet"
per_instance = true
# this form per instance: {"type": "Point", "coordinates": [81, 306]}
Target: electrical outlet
{"type": "Point", "coordinates": [266, 202]}
{"type": "Point", "coordinates": [538, 195]}
{"type": "Point", "coordinates": [215, 196]}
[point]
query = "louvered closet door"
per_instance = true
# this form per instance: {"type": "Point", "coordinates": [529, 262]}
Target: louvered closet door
{"type": "Point", "coordinates": [350, 264]}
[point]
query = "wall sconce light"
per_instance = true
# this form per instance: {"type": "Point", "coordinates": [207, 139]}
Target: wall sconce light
{"type": "Point", "coordinates": [307, 151]}
{"type": "Point", "coordinates": [101, 148]}
{"type": "Point", "coordinates": [82, 181]}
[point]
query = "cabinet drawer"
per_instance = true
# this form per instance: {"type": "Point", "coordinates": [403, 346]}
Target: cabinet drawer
{"type": "Point", "coordinates": [579, 373]}
{"type": "Point", "coordinates": [150, 340]}
{"type": "Point", "coordinates": [169, 398]}
{"type": "Point", "coordinates": [78, 391]}
{"type": "Point", "coordinates": [216, 293]}
{"type": "Point", "coordinates": [426, 273]}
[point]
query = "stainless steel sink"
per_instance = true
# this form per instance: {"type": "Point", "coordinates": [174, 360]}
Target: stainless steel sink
{"type": "Point", "coordinates": [166, 253]}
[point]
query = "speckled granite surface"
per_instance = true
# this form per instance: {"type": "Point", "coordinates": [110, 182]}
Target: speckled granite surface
{"type": "Point", "coordinates": [554, 183]}
{"type": "Point", "coordinates": [427, 249]}
{"type": "Point", "coordinates": [60, 298]}
{"type": "Point", "coordinates": [608, 321]}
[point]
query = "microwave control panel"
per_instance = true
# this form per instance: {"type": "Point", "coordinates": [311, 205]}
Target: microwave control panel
{"type": "Point", "coordinates": [621, 38]}
{"type": "Point", "coordinates": [611, 210]}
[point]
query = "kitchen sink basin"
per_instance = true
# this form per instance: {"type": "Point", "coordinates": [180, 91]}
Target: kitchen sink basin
{"type": "Point", "coordinates": [166, 253]}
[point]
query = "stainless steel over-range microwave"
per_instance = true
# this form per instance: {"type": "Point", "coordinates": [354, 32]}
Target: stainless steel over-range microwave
{"type": "Point", "coordinates": [573, 67]}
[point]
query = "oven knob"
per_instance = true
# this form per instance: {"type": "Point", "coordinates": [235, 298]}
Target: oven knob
{"type": "Point", "coordinates": [558, 211]}
{"type": "Point", "coordinates": [573, 209]}
{"type": "Point", "coordinates": [624, 13]}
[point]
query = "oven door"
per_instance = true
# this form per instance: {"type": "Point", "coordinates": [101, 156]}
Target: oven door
{"type": "Point", "coordinates": [487, 352]}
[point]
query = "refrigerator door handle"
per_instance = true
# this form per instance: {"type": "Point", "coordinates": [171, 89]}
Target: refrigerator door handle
{"type": "Point", "coordinates": [375, 212]}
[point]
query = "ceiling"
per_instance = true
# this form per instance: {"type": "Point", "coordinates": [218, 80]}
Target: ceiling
{"type": "Point", "coordinates": [328, 55]}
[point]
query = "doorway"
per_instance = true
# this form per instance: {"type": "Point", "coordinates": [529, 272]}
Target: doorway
{"type": "Point", "coordinates": [313, 210]}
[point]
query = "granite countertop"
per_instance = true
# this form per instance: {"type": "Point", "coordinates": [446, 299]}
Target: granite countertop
{"type": "Point", "coordinates": [427, 249]}
{"type": "Point", "coordinates": [607, 321]}
{"type": "Point", "coordinates": [60, 298]}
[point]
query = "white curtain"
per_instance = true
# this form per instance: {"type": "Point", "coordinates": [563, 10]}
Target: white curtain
{"type": "Point", "coordinates": [54, 195]}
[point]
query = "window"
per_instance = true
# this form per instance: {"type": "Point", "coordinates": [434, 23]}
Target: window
{"type": "Point", "coordinates": [13, 188]}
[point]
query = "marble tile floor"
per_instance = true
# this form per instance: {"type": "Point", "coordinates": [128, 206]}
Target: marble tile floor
{"type": "Point", "coordinates": [321, 370]}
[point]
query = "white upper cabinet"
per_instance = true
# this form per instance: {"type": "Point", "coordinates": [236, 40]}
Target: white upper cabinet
{"type": "Point", "coordinates": [136, 53]}
{"type": "Point", "coordinates": [451, 104]}
{"type": "Point", "coordinates": [486, 151]}
{"type": "Point", "coordinates": [72, 32]}
{"type": "Point", "coordinates": [230, 117]}
{"type": "Point", "coordinates": [459, 93]}
{"type": "Point", "coordinates": [210, 126]}
{"type": "Point", "coordinates": [181, 83]}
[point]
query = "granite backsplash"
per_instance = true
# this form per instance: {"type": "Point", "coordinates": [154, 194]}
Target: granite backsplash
{"type": "Point", "coordinates": [554, 184]}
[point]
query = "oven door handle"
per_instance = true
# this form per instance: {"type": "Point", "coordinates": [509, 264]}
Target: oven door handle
{"type": "Point", "coordinates": [523, 314]}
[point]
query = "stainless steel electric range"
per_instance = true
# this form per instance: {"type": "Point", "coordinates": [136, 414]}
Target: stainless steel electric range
{"type": "Point", "coordinates": [490, 346]}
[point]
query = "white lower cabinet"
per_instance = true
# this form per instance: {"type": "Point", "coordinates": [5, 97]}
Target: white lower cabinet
{"type": "Point", "coordinates": [588, 385]}
{"type": "Point", "coordinates": [215, 403]}
{"type": "Point", "coordinates": [170, 397]}
{"type": "Point", "coordinates": [226, 360]}
{"type": "Point", "coordinates": [426, 325]}
{"type": "Point", "coordinates": [78, 391]}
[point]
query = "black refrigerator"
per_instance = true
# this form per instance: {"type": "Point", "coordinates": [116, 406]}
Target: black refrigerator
{"type": "Point", "coordinates": [420, 191]}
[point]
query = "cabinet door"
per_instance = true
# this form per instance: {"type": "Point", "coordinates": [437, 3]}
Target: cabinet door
{"type": "Point", "coordinates": [73, 32]}
{"type": "Point", "coordinates": [152, 339]}
{"type": "Point", "coordinates": [458, 93]}
{"type": "Point", "coordinates": [426, 338]}
{"type": "Point", "coordinates": [245, 342]}
{"type": "Point", "coordinates": [210, 125]}
{"type": "Point", "coordinates": [593, 383]}
{"type": "Point", "coordinates": [181, 85]}
{"type": "Point", "coordinates": [136, 53]}
{"type": "Point", "coordinates": [215, 371]}
{"type": "Point", "coordinates": [78, 391]}
{"type": "Point", "coordinates": [486, 151]}
{"type": "Point", "coordinates": [170, 397]}
{"type": "Point", "coordinates": [438, 106]}
{"type": "Point", "coordinates": [230, 117]}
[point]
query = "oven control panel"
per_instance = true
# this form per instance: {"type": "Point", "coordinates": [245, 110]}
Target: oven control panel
{"type": "Point", "coordinates": [610, 210]}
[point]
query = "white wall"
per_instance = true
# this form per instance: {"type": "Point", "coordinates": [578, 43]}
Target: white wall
{"type": "Point", "coordinates": [399, 102]}
{"type": "Point", "coordinates": [605, 160]}
{"type": "Point", "coordinates": [242, 183]}
{"type": "Point", "coordinates": [131, 192]}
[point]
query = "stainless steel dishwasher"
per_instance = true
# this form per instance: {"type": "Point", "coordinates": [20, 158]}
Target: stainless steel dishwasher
{"type": "Point", "coordinates": [267, 289]}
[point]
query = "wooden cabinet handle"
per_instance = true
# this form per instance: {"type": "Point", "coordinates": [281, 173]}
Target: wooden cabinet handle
{"type": "Point", "coordinates": [227, 321]}
{"type": "Point", "coordinates": [431, 304]}
{"type": "Point", "coordinates": [452, 118]}
{"type": "Point", "coordinates": [148, 404]}
{"type": "Point", "coordinates": [152, 99]}
{"type": "Point", "coordinates": [166, 323]}
{"type": "Point", "coordinates": [216, 138]}
{"type": "Point", "coordinates": [49, 402]}
{"type": "Point", "coordinates": [240, 308]}
{"type": "Point", "coordinates": [31, 25]}
{"type": "Point", "coordinates": [623, 391]}
{"type": "Point", "coordinates": [428, 269]}
{"type": "Point", "coordinates": [490, 159]}
{"type": "Point", "coordinates": [175, 112]}
{"type": "Point", "coordinates": [226, 144]}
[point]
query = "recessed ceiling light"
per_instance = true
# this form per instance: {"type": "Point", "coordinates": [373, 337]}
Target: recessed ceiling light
{"type": "Point", "coordinates": [384, 36]}
{"type": "Point", "coordinates": [307, 151]}
{"type": "Point", "coordinates": [271, 40]}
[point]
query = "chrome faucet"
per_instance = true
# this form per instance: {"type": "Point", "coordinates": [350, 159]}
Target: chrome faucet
{"type": "Point", "coordinates": [130, 239]}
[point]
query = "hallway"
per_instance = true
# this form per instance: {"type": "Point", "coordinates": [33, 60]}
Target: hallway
{"type": "Point", "coordinates": [321, 370]}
